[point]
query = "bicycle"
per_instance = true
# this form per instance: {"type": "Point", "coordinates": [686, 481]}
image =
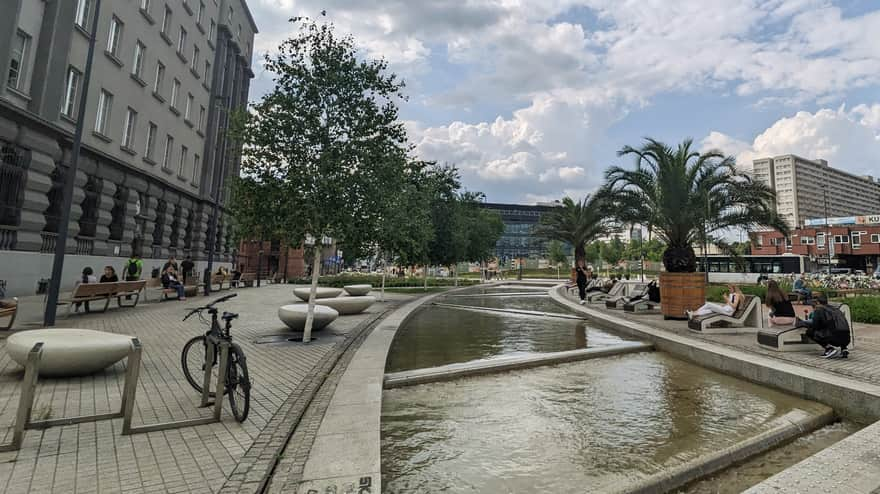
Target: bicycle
{"type": "Point", "coordinates": [193, 359]}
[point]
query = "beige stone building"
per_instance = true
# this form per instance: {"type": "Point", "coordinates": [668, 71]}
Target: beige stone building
{"type": "Point", "coordinates": [805, 188]}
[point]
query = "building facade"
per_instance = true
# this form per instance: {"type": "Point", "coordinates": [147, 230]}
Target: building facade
{"type": "Point", "coordinates": [848, 242]}
{"type": "Point", "coordinates": [812, 189]}
{"type": "Point", "coordinates": [518, 240]}
{"type": "Point", "coordinates": [154, 153]}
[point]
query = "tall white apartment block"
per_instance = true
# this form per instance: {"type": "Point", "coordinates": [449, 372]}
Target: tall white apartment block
{"type": "Point", "coordinates": [812, 189]}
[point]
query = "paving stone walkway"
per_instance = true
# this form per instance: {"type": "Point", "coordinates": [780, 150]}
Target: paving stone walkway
{"type": "Point", "coordinates": [227, 456]}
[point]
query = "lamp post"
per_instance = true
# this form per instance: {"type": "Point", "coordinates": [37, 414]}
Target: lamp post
{"type": "Point", "coordinates": [61, 241]}
{"type": "Point", "coordinates": [828, 236]}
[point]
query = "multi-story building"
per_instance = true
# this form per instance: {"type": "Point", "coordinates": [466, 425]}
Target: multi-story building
{"type": "Point", "coordinates": [518, 240]}
{"type": "Point", "coordinates": [812, 189]}
{"type": "Point", "coordinates": [848, 242]}
{"type": "Point", "coordinates": [164, 78]}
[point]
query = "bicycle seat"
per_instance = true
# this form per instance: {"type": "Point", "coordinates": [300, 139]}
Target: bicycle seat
{"type": "Point", "coordinates": [228, 316]}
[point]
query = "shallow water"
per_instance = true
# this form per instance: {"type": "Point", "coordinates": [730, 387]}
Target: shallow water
{"type": "Point", "coordinates": [577, 427]}
{"type": "Point", "coordinates": [440, 335]}
{"type": "Point", "coordinates": [740, 477]}
{"type": "Point", "coordinates": [536, 302]}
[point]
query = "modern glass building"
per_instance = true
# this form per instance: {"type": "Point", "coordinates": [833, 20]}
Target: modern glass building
{"type": "Point", "coordinates": [518, 239]}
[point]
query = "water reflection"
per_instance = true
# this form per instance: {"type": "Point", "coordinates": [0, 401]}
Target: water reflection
{"type": "Point", "coordinates": [439, 335]}
{"type": "Point", "coordinates": [575, 427]}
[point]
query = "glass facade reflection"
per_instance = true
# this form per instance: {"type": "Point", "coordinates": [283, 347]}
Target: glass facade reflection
{"type": "Point", "coordinates": [518, 240]}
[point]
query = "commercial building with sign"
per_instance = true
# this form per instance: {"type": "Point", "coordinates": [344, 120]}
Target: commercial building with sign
{"type": "Point", "coordinates": [812, 189]}
{"type": "Point", "coordinates": [164, 79]}
{"type": "Point", "coordinates": [850, 242]}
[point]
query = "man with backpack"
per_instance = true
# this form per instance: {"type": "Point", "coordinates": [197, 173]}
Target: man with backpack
{"type": "Point", "coordinates": [829, 328]}
{"type": "Point", "coordinates": [133, 268]}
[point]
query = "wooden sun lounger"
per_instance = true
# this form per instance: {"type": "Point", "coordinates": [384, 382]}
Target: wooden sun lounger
{"type": "Point", "coordinates": [750, 314]}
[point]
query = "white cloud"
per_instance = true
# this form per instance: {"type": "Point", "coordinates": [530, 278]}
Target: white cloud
{"type": "Point", "coordinates": [847, 139]}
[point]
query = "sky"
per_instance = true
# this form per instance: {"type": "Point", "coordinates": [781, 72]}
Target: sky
{"type": "Point", "coordinates": [532, 99]}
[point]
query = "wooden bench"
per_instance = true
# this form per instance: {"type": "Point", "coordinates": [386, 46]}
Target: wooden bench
{"type": "Point", "coordinates": [127, 289]}
{"type": "Point", "coordinates": [794, 339]}
{"type": "Point", "coordinates": [169, 293]}
{"type": "Point", "coordinates": [246, 279]}
{"type": "Point", "coordinates": [219, 279]}
{"type": "Point", "coordinates": [9, 308]}
{"type": "Point", "coordinates": [89, 292]}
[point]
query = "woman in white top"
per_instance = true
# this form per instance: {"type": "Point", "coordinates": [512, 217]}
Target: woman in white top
{"type": "Point", "coordinates": [731, 302]}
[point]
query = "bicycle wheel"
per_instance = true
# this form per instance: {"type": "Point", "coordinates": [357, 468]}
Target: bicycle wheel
{"type": "Point", "coordinates": [238, 384]}
{"type": "Point", "coordinates": [193, 359]}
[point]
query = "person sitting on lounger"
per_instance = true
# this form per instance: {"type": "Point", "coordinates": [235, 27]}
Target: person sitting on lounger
{"type": "Point", "coordinates": [781, 311]}
{"type": "Point", "coordinates": [731, 302]}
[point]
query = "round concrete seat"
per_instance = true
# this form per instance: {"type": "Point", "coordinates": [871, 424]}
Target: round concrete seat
{"type": "Point", "coordinates": [357, 290]}
{"type": "Point", "coordinates": [294, 316]}
{"type": "Point", "coordinates": [320, 292]}
{"type": "Point", "coordinates": [348, 305]}
{"type": "Point", "coordinates": [69, 352]}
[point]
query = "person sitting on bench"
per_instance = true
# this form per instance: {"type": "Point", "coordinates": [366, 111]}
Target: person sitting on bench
{"type": "Point", "coordinates": [88, 276]}
{"type": "Point", "coordinates": [732, 299]}
{"type": "Point", "coordinates": [827, 326]}
{"type": "Point", "coordinates": [781, 311]}
{"type": "Point", "coordinates": [170, 281]}
{"type": "Point", "coordinates": [800, 287]}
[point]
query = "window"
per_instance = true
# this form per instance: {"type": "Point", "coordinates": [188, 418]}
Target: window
{"type": "Point", "coordinates": [181, 165]}
{"type": "Point", "coordinates": [808, 240]}
{"type": "Point", "coordinates": [18, 61]}
{"type": "Point", "coordinates": [128, 129]}
{"type": "Point", "coordinates": [238, 33]}
{"type": "Point", "coordinates": [105, 103]}
{"type": "Point", "coordinates": [151, 141]}
{"type": "Point", "coordinates": [166, 155]}
{"type": "Point", "coordinates": [175, 88]}
{"type": "Point", "coordinates": [207, 76]}
{"type": "Point", "coordinates": [83, 11]}
{"type": "Point", "coordinates": [70, 89]}
{"type": "Point", "coordinates": [856, 239]}
{"type": "Point", "coordinates": [820, 239]}
{"type": "Point", "coordinates": [145, 5]}
{"type": "Point", "coordinates": [188, 108]}
{"type": "Point", "coordinates": [195, 59]}
{"type": "Point", "coordinates": [160, 77]}
{"type": "Point", "coordinates": [181, 40]}
{"type": "Point", "coordinates": [875, 238]}
{"type": "Point", "coordinates": [114, 37]}
{"type": "Point", "coordinates": [196, 161]}
{"type": "Point", "coordinates": [201, 118]}
{"type": "Point", "coordinates": [211, 30]}
{"type": "Point", "coordinates": [231, 13]}
{"type": "Point", "coordinates": [200, 12]}
{"type": "Point", "coordinates": [166, 21]}
{"type": "Point", "coordinates": [138, 63]}
{"type": "Point", "coordinates": [841, 239]}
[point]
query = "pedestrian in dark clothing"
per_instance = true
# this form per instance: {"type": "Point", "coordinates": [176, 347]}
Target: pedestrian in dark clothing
{"type": "Point", "coordinates": [109, 275]}
{"type": "Point", "coordinates": [582, 275]}
{"type": "Point", "coordinates": [187, 266]}
{"type": "Point", "coordinates": [828, 328]}
{"type": "Point", "coordinates": [88, 276]}
{"type": "Point", "coordinates": [172, 263]}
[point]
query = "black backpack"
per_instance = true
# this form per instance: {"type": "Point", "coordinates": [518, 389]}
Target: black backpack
{"type": "Point", "coordinates": [840, 323]}
{"type": "Point", "coordinates": [132, 268]}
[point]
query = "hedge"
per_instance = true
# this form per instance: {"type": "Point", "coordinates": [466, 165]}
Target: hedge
{"type": "Point", "coordinates": [864, 309]}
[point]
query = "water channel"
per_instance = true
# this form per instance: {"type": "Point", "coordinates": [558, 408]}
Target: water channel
{"type": "Point", "coordinates": [585, 427]}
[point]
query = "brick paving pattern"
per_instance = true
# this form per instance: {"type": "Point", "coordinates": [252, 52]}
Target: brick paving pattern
{"type": "Point", "coordinates": [95, 457]}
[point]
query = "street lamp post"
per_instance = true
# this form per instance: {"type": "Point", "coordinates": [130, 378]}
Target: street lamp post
{"type": "Point", "coordinates": [828, 238]}
{"type": "Point", "coordinates": [61, 241]}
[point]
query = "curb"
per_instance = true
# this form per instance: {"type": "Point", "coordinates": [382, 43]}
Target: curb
{"type": "Point", "coordinates": [790, 426]}
{"type": "Point", "coordinates": [503, 364]}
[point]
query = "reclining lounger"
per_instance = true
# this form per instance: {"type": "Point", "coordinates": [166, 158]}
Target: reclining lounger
{"type": "Point", "coordinates": [750, 314]}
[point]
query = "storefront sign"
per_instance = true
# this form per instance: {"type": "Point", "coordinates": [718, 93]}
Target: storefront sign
{"type": "Point", "coordinates": [872, 219]}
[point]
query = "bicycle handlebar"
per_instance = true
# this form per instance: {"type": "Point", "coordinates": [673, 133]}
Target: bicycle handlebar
{"type": "Point", "coordinates": [199, 309]}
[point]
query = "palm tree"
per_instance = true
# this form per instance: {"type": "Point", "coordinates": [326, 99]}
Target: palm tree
{"type": "Point", "coordinates": [576, 223]}
{"type": "Point", "coordinates": [685, 196]}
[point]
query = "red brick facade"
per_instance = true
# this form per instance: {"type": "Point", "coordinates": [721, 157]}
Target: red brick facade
{"type": "Point", "coordinates": [274, 260]}
{"type": "Point", "coordinates": [863, 254]}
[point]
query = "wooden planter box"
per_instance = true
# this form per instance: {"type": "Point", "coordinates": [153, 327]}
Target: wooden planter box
{"type": "Point", "coordinates": [680, 292]}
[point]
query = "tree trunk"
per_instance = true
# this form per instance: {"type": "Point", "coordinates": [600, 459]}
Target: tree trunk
{"type": "Point", "coordinates": [579, 253]}
{"type": "Point", "coordinates": [310, 315]}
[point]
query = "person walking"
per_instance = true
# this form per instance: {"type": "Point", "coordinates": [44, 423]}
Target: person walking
{"type": "Point", "coordinates": [582, 276]}
{"type": "Point", "coordinates": [133, 268]}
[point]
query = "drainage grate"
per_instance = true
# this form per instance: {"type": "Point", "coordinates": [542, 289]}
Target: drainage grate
{"type": "Point", "coordinates": [295, 339]}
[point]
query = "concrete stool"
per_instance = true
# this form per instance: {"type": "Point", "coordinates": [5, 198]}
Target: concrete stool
{"type": "Point", "coordinates": [348, 305]}
{"type": "Point", "coordinates": [294, 316]}
{"type": "Point", "coordinates": [321, 292]}
{"type": "Point", "coordinates": [69, 352]}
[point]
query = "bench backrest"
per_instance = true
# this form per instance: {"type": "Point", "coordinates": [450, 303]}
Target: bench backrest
{"type": "Point", "coordinates": [94, 289]}
{"type": "Point", "coordinates": [248, 277]}
{"type": "Point", "coordinates": [218, 278]}
{"type": "Point", "coordinates": [617, 289]}
{"type": "Point", "coordinates": [153, 282]}
{"type": "Point", "coordinates": [743, 306]}
{"type": "Point", "coordinates": [131, 286]}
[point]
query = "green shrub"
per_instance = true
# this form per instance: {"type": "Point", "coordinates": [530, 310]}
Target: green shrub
{"type": "Point", "coordinates": [715, 293]}
{"type": "Point", "coordinates": [864, 309]}
{"type": "Point", "coordinates": [338, 281]}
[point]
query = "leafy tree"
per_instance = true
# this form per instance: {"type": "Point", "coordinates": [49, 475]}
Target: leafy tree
{"type": "Point", "coordinates": [612, 251]}
{"type": "Point", "coordinates": [593, 252]}
{"type": "Point", "coordinates": [556, 253]}
{"type": "Point", "coordinates": [576, 223]}
{"type": "Point", "coordinates": [328, 142]}
{"type": "Point", "coordinates": [680, 193]}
